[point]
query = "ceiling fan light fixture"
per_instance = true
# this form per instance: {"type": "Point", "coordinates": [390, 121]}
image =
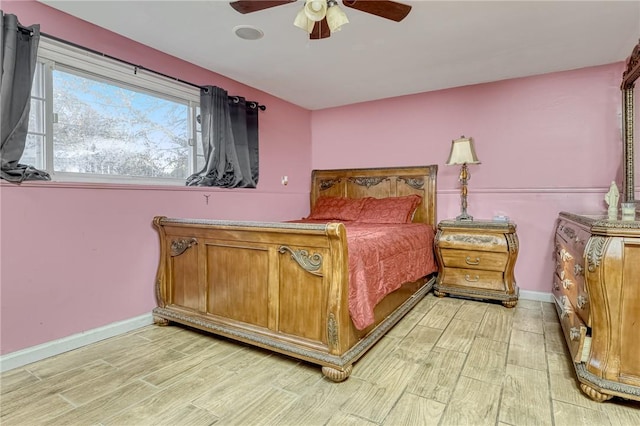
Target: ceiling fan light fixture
{"type": "Point", "coordinates": [303, 22]}
{"type": "Point", "coordinates": [319, 18]}
{"type": "Point", "coordinates": [316, 10]}
{"type": "Point", "coordinates": [336, 17]}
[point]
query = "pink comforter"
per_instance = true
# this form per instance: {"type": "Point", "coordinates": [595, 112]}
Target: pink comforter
{"type": "Point", "coordinates": [381, 258]}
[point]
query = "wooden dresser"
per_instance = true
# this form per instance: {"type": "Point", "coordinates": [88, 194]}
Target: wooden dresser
{"type": "Point", "coordinates": [596, 287]}
{"type": "Point", "coordinates": [477, 259]}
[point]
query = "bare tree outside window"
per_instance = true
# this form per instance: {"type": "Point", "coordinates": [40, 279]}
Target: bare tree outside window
{"type": "Point", "coordinates": [103, 128]}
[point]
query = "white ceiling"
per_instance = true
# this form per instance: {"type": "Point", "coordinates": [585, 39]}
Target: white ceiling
{"type": "Point", "coordinates": [441, 44]}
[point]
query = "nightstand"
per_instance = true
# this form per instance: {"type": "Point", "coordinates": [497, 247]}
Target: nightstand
{"type": "Point", "coordinates": [476, 259]}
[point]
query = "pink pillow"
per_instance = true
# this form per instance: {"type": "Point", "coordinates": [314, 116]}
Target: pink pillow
{"type": "Point", "coordinates": [389, 210]}
{"type": "Point", "coordinates": [337, 208]}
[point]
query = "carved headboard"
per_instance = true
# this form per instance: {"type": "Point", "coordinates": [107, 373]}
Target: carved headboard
{"type": "Point", "coordinates": [380, 183]}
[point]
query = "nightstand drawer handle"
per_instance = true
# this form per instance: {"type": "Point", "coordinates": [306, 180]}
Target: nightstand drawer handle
{"type": "Point", "coordinates": [470, 262]}
{"type": "Point", "coordinates": [472, 280]}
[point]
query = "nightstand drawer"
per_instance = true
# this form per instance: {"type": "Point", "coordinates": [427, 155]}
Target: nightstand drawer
{"type": "Point", "coordinates": [473, 241]}
{"type": "Point", "coordinates": [473, 278]}
{"type": "Point", "coordinates": [473, 259]}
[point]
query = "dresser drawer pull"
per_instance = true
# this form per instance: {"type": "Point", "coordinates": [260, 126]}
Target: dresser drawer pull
{"type": "Point", "coordinates": [470, 262]}
{"type": "Point", "coordinates": [472, 280]}
{"type": "Point", "coordinates": [564, 255]}
{"type": "Point", "coordinates": [565, 310]}
{"type": "Point", "coordinates": [567, 284]}
{"type": "Point", "coordinates": [582, 301]}
{"type": "Point", "coordinates": [574, 333]}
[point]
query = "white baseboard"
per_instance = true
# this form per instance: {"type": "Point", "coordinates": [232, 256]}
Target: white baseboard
{"type": "Point", "coordinates": [55, 347]}
{"type": "Point", "coordinates": [536, 295]}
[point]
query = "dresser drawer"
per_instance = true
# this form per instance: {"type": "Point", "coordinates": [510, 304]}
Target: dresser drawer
{"type": "Point", "coordinates": [473, 241]}
{"type": "Point", "coordinates": [570, 271]}
{"type": "Point", "coordinates": [574, 329]}
{"type": "Point", "coordinates": [474, 278]}
{"type": "Point", "coordinates": [566, 252]}
{"type": "Point", "coordinates": [574, 235]}
{"type": "Point", "coordinates": [567, 285]}
{"type": "Point", "coordinates": [600, 316]}
{"type": "Point", "coordinates": [473, 259]}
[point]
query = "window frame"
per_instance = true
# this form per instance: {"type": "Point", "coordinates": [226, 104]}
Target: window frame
{"type": "Point", "coordinates": [68, 58]}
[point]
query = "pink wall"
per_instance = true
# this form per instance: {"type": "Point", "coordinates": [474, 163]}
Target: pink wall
{"type": "Point", "coordinates": [547, 143]}
{"type": "Point", "coordinates": [77, 257]}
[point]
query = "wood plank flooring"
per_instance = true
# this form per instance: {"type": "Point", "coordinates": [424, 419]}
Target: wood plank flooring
{"type": "Point", "coordinates": [448, 362]}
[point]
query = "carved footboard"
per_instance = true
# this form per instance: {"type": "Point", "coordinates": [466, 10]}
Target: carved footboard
{"type": "Point", "coordinates": [285, 286]}
{"type": "Point", "coordinates": [279, 286]}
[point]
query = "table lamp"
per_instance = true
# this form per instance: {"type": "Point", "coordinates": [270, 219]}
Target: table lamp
{"type": "Point", "coordinates": [463, 152]}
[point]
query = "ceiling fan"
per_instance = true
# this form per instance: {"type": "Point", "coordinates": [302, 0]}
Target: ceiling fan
{"type": "Point", "coordinates": [322, 17]}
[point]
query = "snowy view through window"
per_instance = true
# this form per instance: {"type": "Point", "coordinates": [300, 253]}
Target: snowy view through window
{"type": "Point", "coordinates": [105, 129]}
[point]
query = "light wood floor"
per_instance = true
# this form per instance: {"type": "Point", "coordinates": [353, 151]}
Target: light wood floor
{"type": "Point", "coordinates": [449, 362]}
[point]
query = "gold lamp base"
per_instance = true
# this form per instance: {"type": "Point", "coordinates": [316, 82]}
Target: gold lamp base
{"type": "Point", "coordinates": [464, 218]}
{"type": "Point", "coordinates": [464, 178]}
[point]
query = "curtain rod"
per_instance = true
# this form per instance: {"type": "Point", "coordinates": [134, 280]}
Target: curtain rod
{"type": "Point", "coordinates": [25, 30]}
{"type": "Point", "coordinates": [135, 66]}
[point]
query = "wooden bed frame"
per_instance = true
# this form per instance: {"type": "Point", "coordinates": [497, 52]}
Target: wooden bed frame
{"type": "Point", "coordinates": [284, 286]}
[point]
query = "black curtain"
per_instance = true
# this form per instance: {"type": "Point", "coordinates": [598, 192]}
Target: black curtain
{"type": "Point", "coordinates": [230, 141]}
{"type": "Point", "coordinates": [18, 58]}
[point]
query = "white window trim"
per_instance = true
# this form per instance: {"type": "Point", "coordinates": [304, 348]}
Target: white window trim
{"type": "Point", "coordinates": [51, 52]}
{"type": "Point", "coordinates": [86, 61]}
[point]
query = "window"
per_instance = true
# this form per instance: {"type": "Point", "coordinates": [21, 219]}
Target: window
{"type": "Point", "coordinates": [96, 119]}
{"type": "Point", "coordinates": [34, 148]}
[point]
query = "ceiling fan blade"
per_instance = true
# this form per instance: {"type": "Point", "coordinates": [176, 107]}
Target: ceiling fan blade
{"type": "Point", "coordinates": [256, 5]}
{"type": "Point", "coordinates": [320, 30]}
{"type": "Point", "coordinates": [385, 9]}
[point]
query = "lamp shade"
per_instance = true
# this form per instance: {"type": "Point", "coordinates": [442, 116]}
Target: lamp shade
{"type": "Point", "coordinates": [315, 10]}
{"type": "Point", "coordinates": [336, 17]}
{"type": "Point", "coordinates": [303, 22]}
{"type": "Point", "coordinates": [462, 152]}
